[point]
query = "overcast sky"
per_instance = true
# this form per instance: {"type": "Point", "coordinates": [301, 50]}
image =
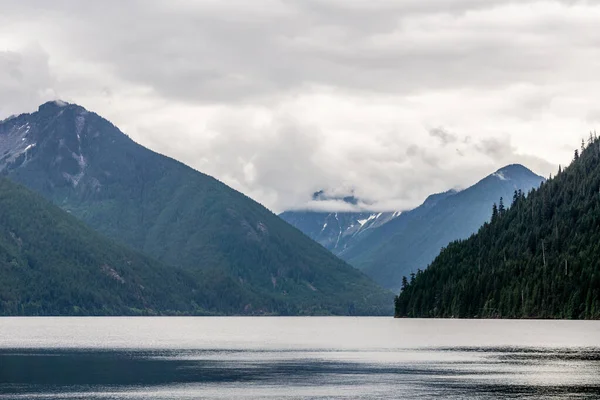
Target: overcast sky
{"type": "Point", "coordinates": [393, 100]}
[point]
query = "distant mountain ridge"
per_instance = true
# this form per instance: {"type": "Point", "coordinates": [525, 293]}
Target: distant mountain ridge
{"type": "Point", "coordinates": [411, 240]}
{"type": "Point", "coordinates": [414, 239]}
{"type": "Point", "coordinates": [336, 231]}
{"type": "Point", "coordinates": [250, 260]}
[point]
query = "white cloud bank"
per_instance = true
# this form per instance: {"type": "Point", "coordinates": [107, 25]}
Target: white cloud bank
{"type": "Point", "coordinates": [390, 100]}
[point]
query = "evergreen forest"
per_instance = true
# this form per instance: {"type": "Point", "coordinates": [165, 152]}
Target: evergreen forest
{"type": "Point", "coordinates": [538, 257]}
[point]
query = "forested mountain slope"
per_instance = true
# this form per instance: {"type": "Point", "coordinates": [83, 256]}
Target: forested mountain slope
{"type": "Point", "coordinates": [538, 259]}
{"type": "Point", "coordinates": [246, 256]}
{"type": "Point", "coordinates": [52, 264]}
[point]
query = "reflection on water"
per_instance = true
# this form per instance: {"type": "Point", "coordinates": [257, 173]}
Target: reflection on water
{"type": "Point", "coordinates": [297, 358]}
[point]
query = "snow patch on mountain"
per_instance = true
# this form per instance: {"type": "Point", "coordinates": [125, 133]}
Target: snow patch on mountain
{"type": "Point", "coordinates": [500, 175]}
{"type": "Point", "coordinates": [78, 156]}
{"type": "Point", "coordinates": [29, 147]}
{"type": "Point", "coordinates": [362, 222]}
{"type": "Point", "coordinates": [324, 226]}
{"type": "Point", "coordinates": [14, 143]}
{"type": "Point", "coordinates": [340, 234]}
{"type": "Point", "coordinates": [79, 122]}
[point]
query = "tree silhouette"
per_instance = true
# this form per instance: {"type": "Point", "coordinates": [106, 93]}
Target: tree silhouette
{"type": "Point", "coordinates": [494, 212]}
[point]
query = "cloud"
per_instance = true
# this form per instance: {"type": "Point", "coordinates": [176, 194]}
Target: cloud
{"type": "Point", "coordinates": [502, 152]}
{"type": "Point", "coordinates": [443, 135]}
{"type": "Point", "coordinates": [279, 99]}
{"type": "Point", "coordinates": [25, 79]}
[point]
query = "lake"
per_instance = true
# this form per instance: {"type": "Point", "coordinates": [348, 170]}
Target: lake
{"type": "Point", "coordinates": [297, 358]}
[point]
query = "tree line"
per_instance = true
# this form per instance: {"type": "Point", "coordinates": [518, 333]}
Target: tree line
{"type": "Point", "coordinates": [538, 258]}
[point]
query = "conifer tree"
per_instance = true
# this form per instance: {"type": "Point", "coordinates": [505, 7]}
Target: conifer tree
{"type": "Point", "coordinates": [404, 283]}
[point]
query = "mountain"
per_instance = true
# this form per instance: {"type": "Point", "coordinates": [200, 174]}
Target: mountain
{"type": "Point", "coordinates": [411, 241]}
{"type": "Point", "coordinates": [538, 259]}
{"type": "Point", "coordinates": [52, 264]}
{"type": "Point", "coordinates": [336, 231]}
{"type": "Point", "coordinates": [245, 256]}
{"type": "Point", "coordinates": [388, 246]}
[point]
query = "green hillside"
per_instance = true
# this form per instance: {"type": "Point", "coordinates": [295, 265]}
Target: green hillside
{"type": "Point", "coordinates": [247, 259]}
{"type": "Point", "coordinates": [52, 264]}
{"type": "Point", "coordinates": [538, 259]}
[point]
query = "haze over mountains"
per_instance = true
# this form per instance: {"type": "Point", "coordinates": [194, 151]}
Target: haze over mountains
{"type": "Point", "coordinates": [411, 240]}
{"type": "Point", "coordinates": [247, 258]}
{"type": "Point", "coordinates": [336, 231]}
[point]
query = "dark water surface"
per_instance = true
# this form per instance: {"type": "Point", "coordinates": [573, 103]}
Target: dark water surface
{"type": "Point", "coordinates": [297, 358]}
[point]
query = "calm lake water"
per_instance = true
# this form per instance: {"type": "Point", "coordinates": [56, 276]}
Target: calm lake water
{"type": "Point", "coordinates": [297, 358]}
